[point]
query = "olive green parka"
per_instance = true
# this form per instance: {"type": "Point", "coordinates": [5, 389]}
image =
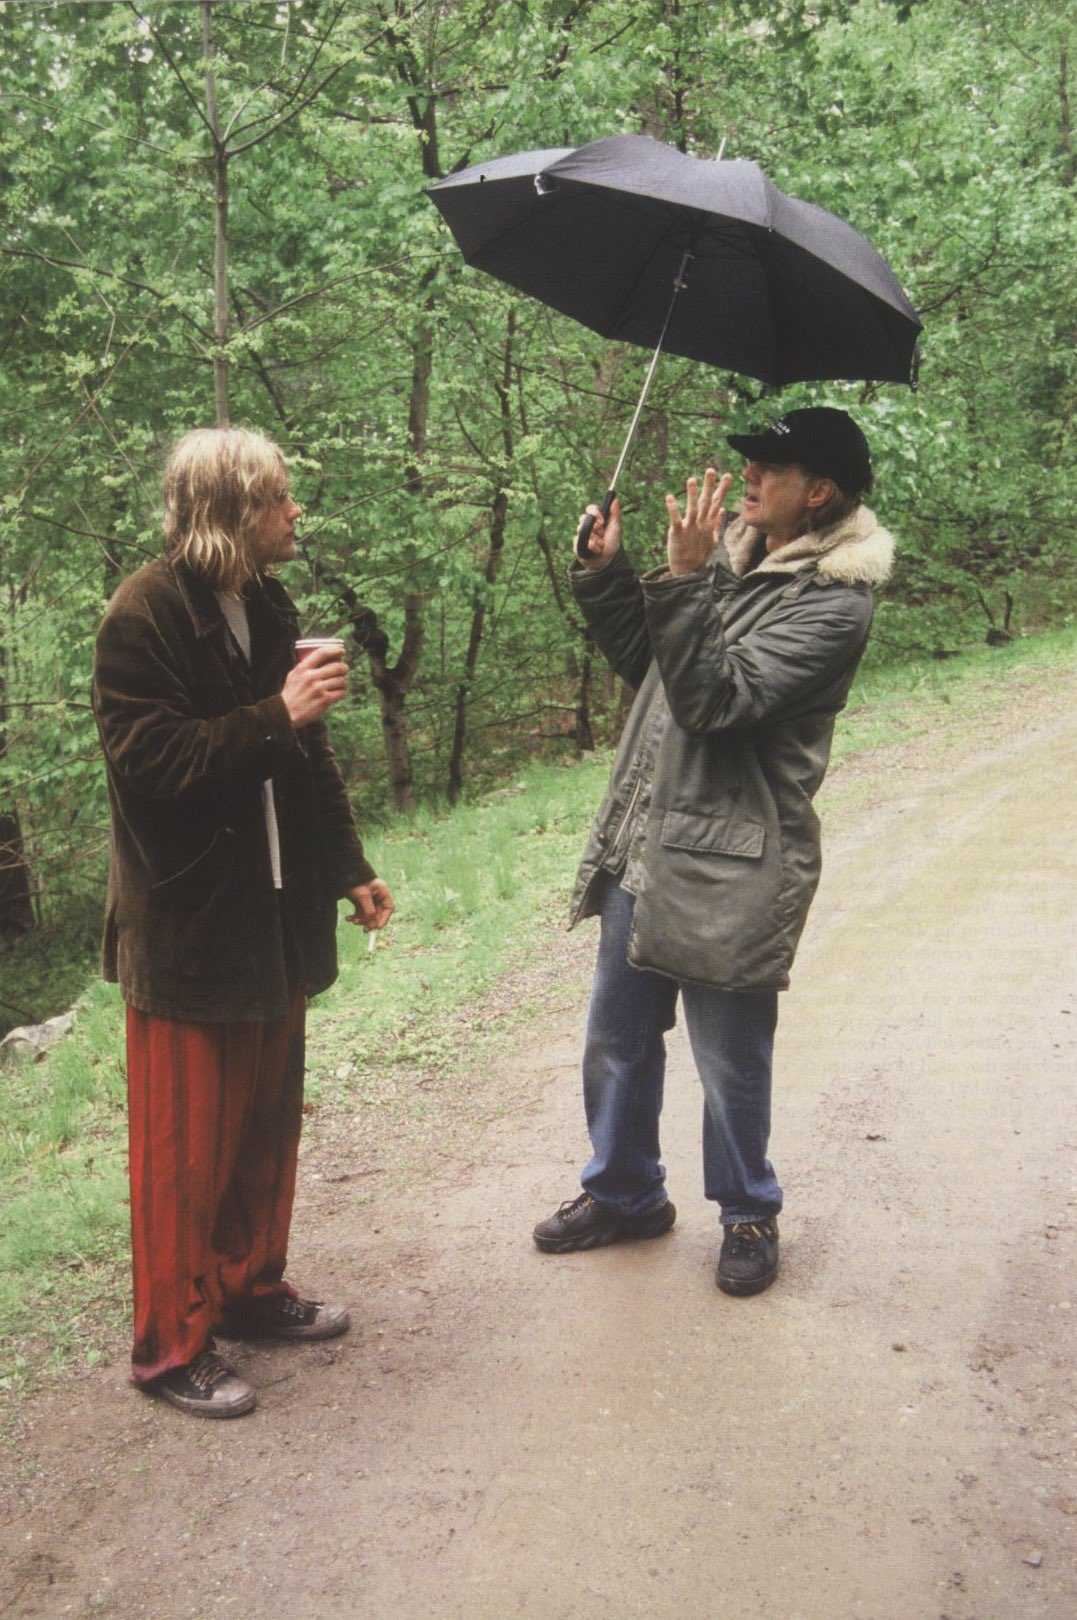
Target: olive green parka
{"type": "Point", "coordinates": [753, 664]}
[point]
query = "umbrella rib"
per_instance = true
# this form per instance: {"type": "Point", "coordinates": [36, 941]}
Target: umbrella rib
{"type": "Point", "coordinates": [613, 324]}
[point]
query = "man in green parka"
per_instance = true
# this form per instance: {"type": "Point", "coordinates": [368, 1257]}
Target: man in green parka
{"type": "Point", "coordinates": [704, 857]}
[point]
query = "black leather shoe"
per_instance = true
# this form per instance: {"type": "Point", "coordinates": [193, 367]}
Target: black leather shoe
{"type": "Point", "coordinates": [748, 1261]}
{"type": "Point", "coordinates": [582, 1223]}
{"type": "Point", "coordinates": [205, 1387]}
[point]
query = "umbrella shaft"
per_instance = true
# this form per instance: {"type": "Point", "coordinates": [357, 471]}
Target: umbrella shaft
{"type": "Point", "coordinates": [584, 535]}
{"type": "Point", "coordinates": [678, 284]}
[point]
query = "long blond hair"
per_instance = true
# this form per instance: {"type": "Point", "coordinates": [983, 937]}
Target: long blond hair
{"type": "Point", "coordinates": [217, 483]}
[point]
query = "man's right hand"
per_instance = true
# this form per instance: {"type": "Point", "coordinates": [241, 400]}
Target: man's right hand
{"type": "Point", "coordinates": [319, 680]}
{"type": "Point", "coordinates": [605, 538]}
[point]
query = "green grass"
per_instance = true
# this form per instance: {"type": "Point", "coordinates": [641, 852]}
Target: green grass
{"type": "Point", "coordinates": [477, 891]}
{"type": "Point", "coordinates": [47, 970]}
{"type": "Point", "coordinates": [63, 1211]}
{"type": "Point", "coordinates": [472, 891]}
{"type": "Point", "coordinates": [894, 702]}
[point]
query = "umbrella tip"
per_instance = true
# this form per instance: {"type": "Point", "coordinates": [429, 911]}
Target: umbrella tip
{"type": "Point", "coordinates": [721, 149]}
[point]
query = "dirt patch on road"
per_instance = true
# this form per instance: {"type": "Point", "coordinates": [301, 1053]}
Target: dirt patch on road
{"type": "Point", "coordinates": [883, 1434]}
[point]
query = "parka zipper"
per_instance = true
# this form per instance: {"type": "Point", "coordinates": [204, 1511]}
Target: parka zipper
{"type": "Point", "coordinates": [626, 817]}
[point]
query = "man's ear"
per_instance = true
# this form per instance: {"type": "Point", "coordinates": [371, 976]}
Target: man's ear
{"type": "Point", "coordinates": [820, 490]}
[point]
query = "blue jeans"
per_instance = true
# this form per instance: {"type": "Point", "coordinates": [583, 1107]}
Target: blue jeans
{"type": "Point", "coordinates": [624, 1063]}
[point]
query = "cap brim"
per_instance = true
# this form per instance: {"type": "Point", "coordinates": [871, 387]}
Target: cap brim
{"type": "Point", "coordinates": [759, 447]}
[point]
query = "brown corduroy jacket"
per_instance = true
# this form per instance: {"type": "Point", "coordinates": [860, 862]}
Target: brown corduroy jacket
{"type": "Point", "coordinates": [194, 928]}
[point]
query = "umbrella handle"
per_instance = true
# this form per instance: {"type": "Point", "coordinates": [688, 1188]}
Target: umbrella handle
{"type": "Point", "coordinates": [589, 522]}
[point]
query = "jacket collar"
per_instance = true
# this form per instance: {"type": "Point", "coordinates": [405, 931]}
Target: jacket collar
{"type": "Point", "coordinates": [201, 603]}
{"type": "Point", "coordinates": [856, 550]}
{"type": "Point", "coordinates": [198, 598]}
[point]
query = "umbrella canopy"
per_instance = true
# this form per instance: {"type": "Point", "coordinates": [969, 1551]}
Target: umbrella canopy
{"type": "Point", "coordinates": [772, 287]}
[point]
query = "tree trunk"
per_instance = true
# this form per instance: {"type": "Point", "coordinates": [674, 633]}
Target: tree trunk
{"type": "Point", "coordinates": [551, 568]}
{"type": "Point", "coordinates": [1068, 166]}
{"type": "Point", "coordinates": [498, 516]}
{"type": "Point", "coordinates": [419, 404]}
{"type": "Point", "coordinates": [220, 228]}
{"type": "Point", "coordinates": [397, 743]}
{"type": "Point", "coordinates": [478, 620]}
{"type": "Point", "coordinates": [393, 683]}
{"type": "Point", "coordinates": [16, 905]}
{"type": "Point", "coordinates": [584, 734]}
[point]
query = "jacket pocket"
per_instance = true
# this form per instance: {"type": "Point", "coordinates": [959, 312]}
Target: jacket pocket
{"type": "Point", "coordinates": [205, 865]}
{"type": "Point", "coordinates": [734, 834]}
{"type": "Point", "coordinates": [210, 698]}
{"type": "Point", "coordinates": [195, 924]}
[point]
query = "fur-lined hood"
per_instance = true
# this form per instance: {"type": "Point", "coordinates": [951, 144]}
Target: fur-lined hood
{"type": "Point", "coordinates": [856, 550]}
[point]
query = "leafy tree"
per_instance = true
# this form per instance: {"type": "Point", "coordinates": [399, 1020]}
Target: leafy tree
{"type": "Point", "coordinates": [216, 212]}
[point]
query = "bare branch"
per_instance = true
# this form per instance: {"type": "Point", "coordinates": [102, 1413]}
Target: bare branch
{"type": "Point", "coordinates": [316, 292]}
{"type": "Point", "coordinates": [316, 92]}
{"type": "Point", "coordinates": [166, 53]}
{"type": "Point", "coordinates": [296, 91]}
{"type": "Point", "coordinates": [96, 270]}
{"type": "Point", "coordinates": [69, 430]}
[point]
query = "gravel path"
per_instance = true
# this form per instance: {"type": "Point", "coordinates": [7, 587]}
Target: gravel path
{"type": "Point", "coordinates": [881, 1435]}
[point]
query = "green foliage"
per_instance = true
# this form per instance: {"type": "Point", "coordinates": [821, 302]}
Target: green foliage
{"type": "Point", "coordinates": [472, 888]}
{"type": "Point", "coordinates": [480, 891]}
{"type": "Point", "coordinates": [409, 392]}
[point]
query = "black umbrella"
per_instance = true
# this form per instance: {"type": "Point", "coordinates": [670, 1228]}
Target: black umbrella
{"type": "Point", "coordinates": [703, 258]}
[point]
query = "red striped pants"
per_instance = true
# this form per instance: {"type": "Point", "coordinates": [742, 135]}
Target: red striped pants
{"type": "Point", "coordinates": [214, 1114]}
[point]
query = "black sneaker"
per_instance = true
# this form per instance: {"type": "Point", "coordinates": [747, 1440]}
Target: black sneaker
{"type": "Point", "coordinates": [582, 1223]}
{"type": "Point", "coordinates": [205, 1387]}
{"type": "Point", "coordinates": [748, 1261]}
{"type": "Point", "coordinates": [285, 1317]}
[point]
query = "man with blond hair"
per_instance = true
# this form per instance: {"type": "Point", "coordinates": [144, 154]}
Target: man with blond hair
{"type": "Point", "coordinates": [232, 841]}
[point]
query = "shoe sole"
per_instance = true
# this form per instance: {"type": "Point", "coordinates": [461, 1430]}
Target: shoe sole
{"type": "Point", "coordinates": [207, 1409]}
{"type": "Point", "coordinates": [284, 1335]}
{"type": "Point", "coordinates": [304, 1335]}
{"type": "Point", "coordinates": [740, 1290]}
{"type": "Point", "coordinates": [602, 1239]}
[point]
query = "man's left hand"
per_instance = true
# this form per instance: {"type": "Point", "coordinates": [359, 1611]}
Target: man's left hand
{"type": "Point", "coordinates": [691, 539]}
{"type": "Point", "coordinates": [373, 905]}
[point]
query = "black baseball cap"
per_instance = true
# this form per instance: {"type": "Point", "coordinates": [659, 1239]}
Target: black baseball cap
{"type": "Point", "coordinates": [823, 440]}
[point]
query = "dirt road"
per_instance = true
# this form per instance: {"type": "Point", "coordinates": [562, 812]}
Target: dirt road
{"type": "Point", "coordinates": [882, 1435]}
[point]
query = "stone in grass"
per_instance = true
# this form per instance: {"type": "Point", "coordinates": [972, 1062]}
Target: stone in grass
{"type": "Point", "coordinates": [34, 1040]}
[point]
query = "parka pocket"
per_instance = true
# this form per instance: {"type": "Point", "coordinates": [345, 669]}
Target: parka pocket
{"type": "Point", "coordinates": [734, 834]}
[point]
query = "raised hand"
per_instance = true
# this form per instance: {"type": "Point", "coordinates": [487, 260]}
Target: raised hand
{"type": "Point", "coordinates": [691, 539]}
